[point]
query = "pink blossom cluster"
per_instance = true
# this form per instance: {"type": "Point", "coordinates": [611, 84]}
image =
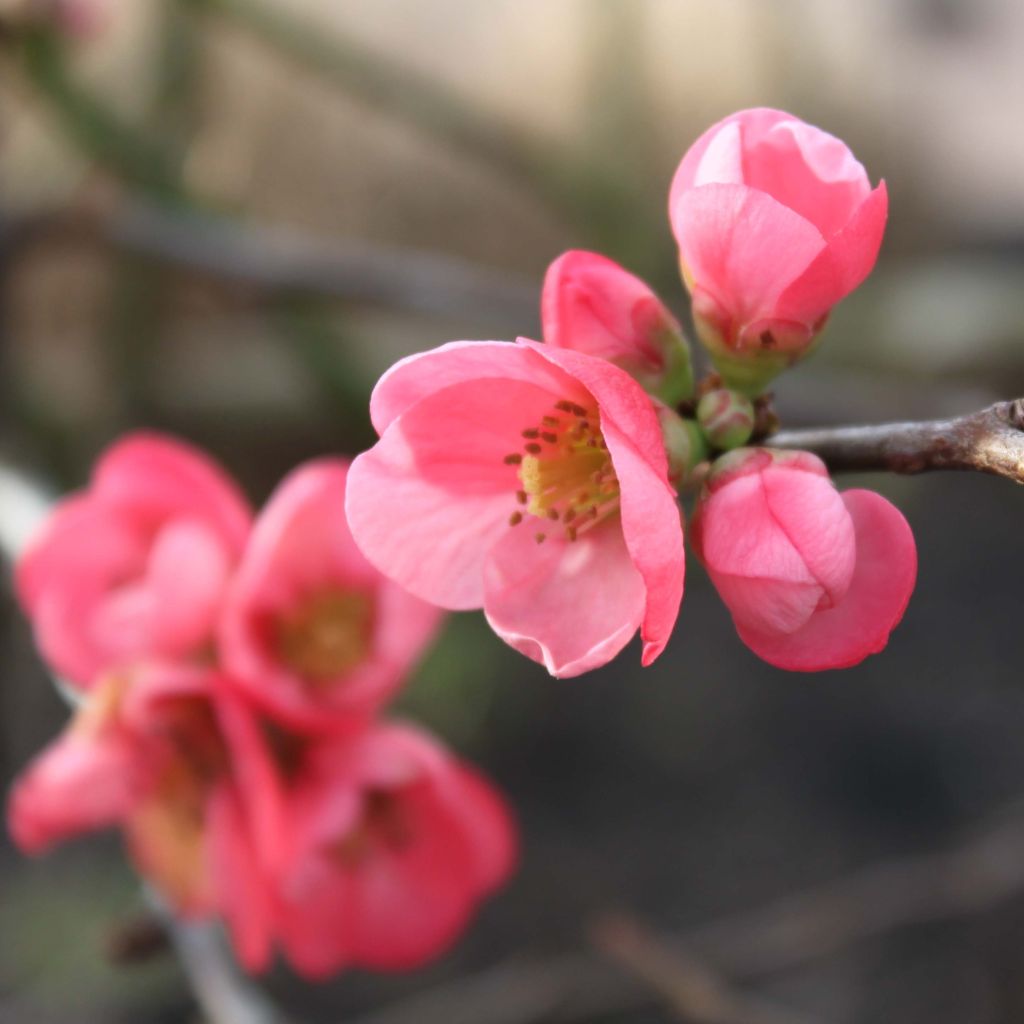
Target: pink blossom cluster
{"type": "Point", "coordinates": [540, 481]}
{"type": "Point", "coordinates": [231, 672]}
{"type": "Point", "coordinates": [229, 675]}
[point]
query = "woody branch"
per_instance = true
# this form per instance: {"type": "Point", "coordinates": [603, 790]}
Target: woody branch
{"type": "Point", "coordinates": [990, 440]}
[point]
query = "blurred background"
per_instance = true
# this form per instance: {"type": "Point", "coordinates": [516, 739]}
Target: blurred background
{"type": "Point", "coordinates": [224, 218]}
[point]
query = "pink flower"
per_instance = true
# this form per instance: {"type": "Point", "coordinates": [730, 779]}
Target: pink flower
{"type": "Point", "coordinates": [776, 222]}
{"type": "Point", "coordinates": [136, 566]}
{"type": "Point", "coordinates": [310, 629]}
{"type": "Point", "coordinates": [178, 762]}
{"type": "Point", "coordinates": [394, 844]}
{"type": "Point", "coordinates": [592, 305]}
{"type": "Point", "coordinates": [531, 481]}
{"type": "Point", "coordinates": [814, 579]}
{"type": "Point", "coordinates": [80, 19]}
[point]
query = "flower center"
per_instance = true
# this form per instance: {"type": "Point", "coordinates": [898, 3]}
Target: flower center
{"type": "Point", "coordinates": [565, 472]}
{"type": "Point", "coordinates": [382, 825]}
{"type": "Point", "coordinates": [327, 635]}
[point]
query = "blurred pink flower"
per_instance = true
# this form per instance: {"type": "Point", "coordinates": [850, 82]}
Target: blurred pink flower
{"type": "Point", "coordinates": [531, 481]}
{"type": "Point", "coordinates": [394, 843]}
{"type": "Point", "coordinates": [177, 761]}
{"type": "Point", "coordinates": [80, 19]}
{"type": "Point", "coordinates": [814, 579]}
{"type": "Point", "coordinates": [776, 221]}
{"type": "Point", "coordinates": [591, 304]}
{"type": "Point", "coordinates": [136, 566]}
{"type": "Point", "coordinates": [310, 629]}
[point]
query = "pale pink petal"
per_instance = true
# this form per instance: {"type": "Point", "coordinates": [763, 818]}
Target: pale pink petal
{"type": "Point", "coordinates": [316, 920]}
{"type": "Point", "coordinates": [430, 498]}
{"type": "Point", "coordinates": [154, 478]}
{"type": "Point", "coordinates": [244, 895]}
{"type": "Point", "coordinates": [487, 823]}
{"type": "Point", "coordinates": [255, 776]}
{"type": "Point", "coordinates": [78, 784]}
{"type": "Point", "coordinates": [173, 606]}
{"type": "Point", "coordinates": [651, 520]}
{"type": "Point", "coordinates": [860, 624]}
{"type": "Point", "coordinates": [806, 169]}
{"type": "Point", "coordinates": [653, 529]}
{"type": "Point", "coordinates": [572, 606]}
{"type": "Point", "coordinates": [842, 266]}
{"type": "Point", "coordinates": [410, 904]}
{"type": "Point", "coordinates": [742, 246]}
{"type": "Point", "coordinates": [81, 551]}
{"type": "Point", "coordinates": [716, 157]}
{"type": "Point", "coordinates": [778, 543]}
{"type": "Point", "coordinates": [459, 362]}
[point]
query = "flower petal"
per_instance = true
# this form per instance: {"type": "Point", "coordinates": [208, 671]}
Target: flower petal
{"type": "Point", "coordinates": [430, 498]}
{"type": "Point", "coordinates": [743, 247]}
{"type": "Point", "coordinates": [572, 606]}
{"type": "Point", "coordinates": [842, 265]}
{"type": "Point", "coordinates": [156, 477]}
{"type": "Point", "coordinates": [861, 622]}
{"type": "Point", "coordinates": [806, 169]}
{"type": "Point", "coordinates": [417, 376]}
{"type": "Point", "coordinates": [651, 520]}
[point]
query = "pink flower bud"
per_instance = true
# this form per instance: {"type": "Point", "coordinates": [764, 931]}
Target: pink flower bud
{"type": "Point", "coordinates": [593, 305]}
{"type": "Point", "coordinates": [814, 579]}
{"type": "Point", "coordinates": [776, 221]}
{"type": "Point", "coordinates": [726, 417]}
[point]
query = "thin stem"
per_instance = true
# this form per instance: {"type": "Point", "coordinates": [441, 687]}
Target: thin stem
{"type": "Point", "coordinates": [990, 440]}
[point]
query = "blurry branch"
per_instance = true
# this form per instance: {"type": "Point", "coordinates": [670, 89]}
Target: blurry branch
{"type": "Point", "coordinates": [791, 933]}
{"type": "Point", "coordinates": [988, 441]}
{"type": "Point", "coordinates": [276, 260]}
{"type": "Point", "coordinates": [576, 187]}
{"type": "Point", "coordinates": [225, 996]}
{"type": "Point", "coordinates": [689, 986]}
{"type": "Point", "coordinates": [92, 126]}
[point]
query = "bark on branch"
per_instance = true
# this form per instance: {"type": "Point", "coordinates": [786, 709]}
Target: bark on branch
{"type": "Point", "coordinates": [988, 441]}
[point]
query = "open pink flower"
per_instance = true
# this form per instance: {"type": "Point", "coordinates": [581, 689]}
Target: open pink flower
{"type": "Point", "coordinates": [135, 566]}
{"type": "Point", "coordinates": [310, 629]}
{"type": "Point", "coordinates": [591, 304]}
{"type": "Point", "coordinates": [814, 579]}
{"type": "Point", "coordinates": [776, 221]}
{"type": "Point", "coordinates": [394, 844]}
{"type": "Point", "coordinates": [175, 759]}
{"type": "Point", "coordinates": [531, 481]}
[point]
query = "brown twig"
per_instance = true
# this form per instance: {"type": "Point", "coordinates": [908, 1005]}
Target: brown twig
{"type": "Point", "coordinates": [789, 934]}
{"type": "Point", "coordinates": [988, 441]}
{"type": "Point", "coordinates": [698, 994]}
{"type": "Point", "coordinates": [276, 261]}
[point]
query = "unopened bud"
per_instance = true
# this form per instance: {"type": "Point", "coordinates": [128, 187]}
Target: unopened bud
{"type": "Point", "coordinates": [684, 443]}
{"type": "Point", "coordinates": [593, 305]}
{"type": "Point", "coordinates": [726, 417]}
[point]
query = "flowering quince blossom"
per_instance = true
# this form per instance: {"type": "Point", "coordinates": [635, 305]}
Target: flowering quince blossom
{"type": "Point", "coordinates": [310, 629]}
{"type": "Point", "coordinates": [776, 221]}
{"type": "Point", "coordinates": [814, 579]}
{"type": "Point", "coordinates": [175, 758]}
{"type": "Point", "coordinates": [590, 304]}
{"type": "Point", "coordinates": [393, 843]}
{"type": "Point", "coordinates": [136, 566]}
{"type": "Point", "coordinates": [531, 481]}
